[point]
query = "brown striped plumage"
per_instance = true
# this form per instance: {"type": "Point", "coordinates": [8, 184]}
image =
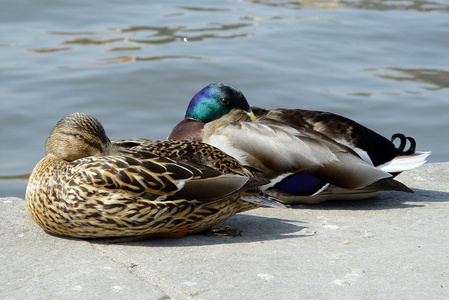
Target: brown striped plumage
{"type": "Point", "coordinates": [88, 187]}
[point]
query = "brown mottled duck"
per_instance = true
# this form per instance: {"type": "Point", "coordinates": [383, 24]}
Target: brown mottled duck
{"type": "Point", "coordinates": [89, 187]}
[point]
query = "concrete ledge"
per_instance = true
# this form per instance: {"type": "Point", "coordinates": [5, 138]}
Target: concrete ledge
{"type": "Point", "coordinates": [393, 246]}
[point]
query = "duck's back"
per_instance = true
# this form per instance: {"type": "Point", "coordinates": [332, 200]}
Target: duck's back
{"type": "Point", "coordinates": [339, 128]}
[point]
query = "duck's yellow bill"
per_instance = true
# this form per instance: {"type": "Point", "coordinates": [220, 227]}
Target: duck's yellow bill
{"type": "Point", "coordinates": [251, 115]}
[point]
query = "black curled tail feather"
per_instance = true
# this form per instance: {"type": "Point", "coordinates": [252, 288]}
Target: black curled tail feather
{"type": "Point", "coordinates": [404, 140]}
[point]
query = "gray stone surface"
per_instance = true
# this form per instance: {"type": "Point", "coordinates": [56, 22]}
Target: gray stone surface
{"type": "Point", "coordinates": [393, 246]}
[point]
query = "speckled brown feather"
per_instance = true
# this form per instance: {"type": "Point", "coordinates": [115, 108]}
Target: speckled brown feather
{"type": "Point", "coordinates": [191, 151]}
{"type": "Point", "coordinates": [133, 187]}
{"type": "Point", "coordinates": [201, 153]}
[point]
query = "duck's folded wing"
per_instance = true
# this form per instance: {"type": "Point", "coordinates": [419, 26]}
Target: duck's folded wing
{"type": "Point", "coordinates": [187, 152]}
{"type": "Point", "coordinates": [141, 172]}
{"type": "Point", "coordinates": [277, 148]}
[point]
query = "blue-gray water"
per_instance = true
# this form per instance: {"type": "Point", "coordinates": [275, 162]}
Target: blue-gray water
{"type": "Point", "coordinates": [135, 66]}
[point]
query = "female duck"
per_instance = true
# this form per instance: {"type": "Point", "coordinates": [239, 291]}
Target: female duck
{"type": "Point", "coordinates": [310, 156]}
{"type": "Point", "coordinates": [88, 187]}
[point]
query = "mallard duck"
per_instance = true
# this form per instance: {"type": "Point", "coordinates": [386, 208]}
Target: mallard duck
{"type": "Point", "coordinates": [309, 156]}
{"type": "Point", "coordinates": [89, 187]}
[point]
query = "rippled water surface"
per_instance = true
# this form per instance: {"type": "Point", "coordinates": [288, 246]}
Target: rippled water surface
{"type": "Point", "coordinates": [135, 66]}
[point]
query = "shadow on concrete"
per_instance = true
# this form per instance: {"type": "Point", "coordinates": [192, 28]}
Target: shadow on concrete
{"type": "Point", "coordinates": [253, 229]}
{"type": "Point", "coordinates": [385, 200]}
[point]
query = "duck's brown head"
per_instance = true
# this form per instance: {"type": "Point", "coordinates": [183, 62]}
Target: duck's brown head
{"type": "Point", "coordinates": [77, 135]}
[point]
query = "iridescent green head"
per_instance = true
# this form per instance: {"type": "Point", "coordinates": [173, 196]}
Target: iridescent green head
{"type": "Point", "coordinates": [215, 101]}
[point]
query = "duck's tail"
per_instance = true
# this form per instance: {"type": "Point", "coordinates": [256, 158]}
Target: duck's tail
{"type": "Point", "coordinates": [265, 201]}
{"type": "Point", "coordinates": [252, 194]}
{"type": "Point", "coordinates": [405, 162]}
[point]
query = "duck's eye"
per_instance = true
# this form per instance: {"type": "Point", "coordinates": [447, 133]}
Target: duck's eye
{"type": "Point", "coordinates": [224, 101]}
{"type": "Point", "coordinates": [79, 136]}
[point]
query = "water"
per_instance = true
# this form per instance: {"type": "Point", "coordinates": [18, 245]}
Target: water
{"type": "Point", "coordinates": [135, 66]}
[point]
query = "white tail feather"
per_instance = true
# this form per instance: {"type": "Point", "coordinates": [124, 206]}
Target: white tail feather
{"type": "Point", "coordinates": [405, 162]}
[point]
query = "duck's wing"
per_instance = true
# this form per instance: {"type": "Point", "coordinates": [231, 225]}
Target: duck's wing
{"type": "Point", "coordinates": [197, 153]}
{"type": "Point", "coordinates": [138, 172]}
{"type": "Point", "coordinates": [277, 149]}
{"type": "Point", "coordinates": [369, 145]}
{"type": "Point", "coordinates": [188, 151]}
